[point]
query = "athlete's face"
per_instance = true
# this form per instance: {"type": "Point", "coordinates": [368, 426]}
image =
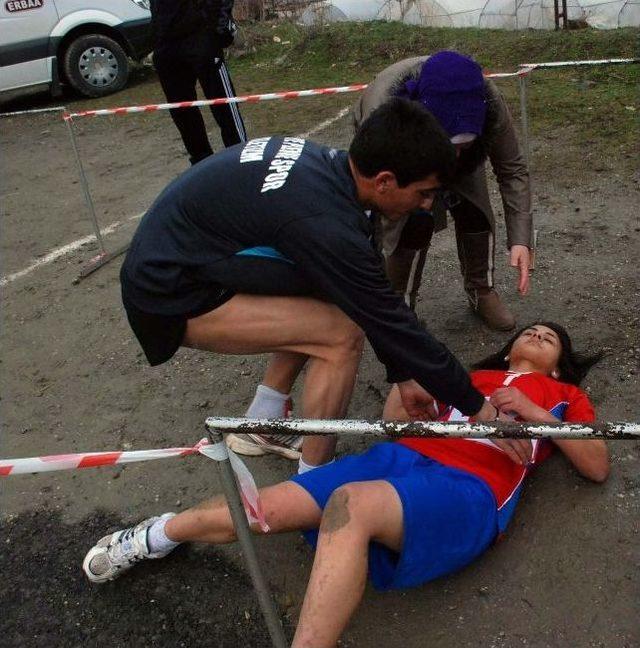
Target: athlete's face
{"type": "Point", "coordinates": [540, 346]}
{"type": "Point", "coordinates": [395, 201]}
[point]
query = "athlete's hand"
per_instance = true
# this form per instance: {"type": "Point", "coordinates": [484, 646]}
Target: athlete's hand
{"type": "Point", "coordinates": [520, 257]}
{"type": "Point", "coordinates": [418, 402]}
{"type": "Point", "coordinates": [512, 400]}
{"type": "Point", "coordinates": [518, 450]}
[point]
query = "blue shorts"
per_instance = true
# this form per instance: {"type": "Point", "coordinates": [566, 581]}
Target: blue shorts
{"type": "Point", "coordinates": [449, 515]}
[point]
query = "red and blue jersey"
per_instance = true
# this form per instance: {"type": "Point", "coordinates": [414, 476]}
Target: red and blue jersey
{"type": "Point", "coordinates": [482, 457]}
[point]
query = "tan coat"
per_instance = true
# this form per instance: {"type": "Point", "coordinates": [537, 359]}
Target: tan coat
{"type": "Point", "coordinates": [505, 156]}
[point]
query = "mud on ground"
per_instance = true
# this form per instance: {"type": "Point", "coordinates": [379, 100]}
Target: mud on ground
{"type": "Point", "coordinates": [74, 379]}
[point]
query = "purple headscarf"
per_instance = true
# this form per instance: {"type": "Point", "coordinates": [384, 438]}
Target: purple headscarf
{"type": "Point", "coordinates": [451, 86]}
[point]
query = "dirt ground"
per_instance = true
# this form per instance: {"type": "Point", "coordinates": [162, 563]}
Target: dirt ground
{"type": "Point", "coordinates": [74, 379]}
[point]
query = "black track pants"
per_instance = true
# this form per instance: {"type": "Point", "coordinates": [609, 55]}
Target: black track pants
{"type": "Point", "coordinates": [180, 65]}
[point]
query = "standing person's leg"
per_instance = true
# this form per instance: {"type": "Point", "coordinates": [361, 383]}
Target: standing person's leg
{"type": "Point", "coordinates": [355, 515]}
{"type": "Point", "coordinates": [476, 252]}
{"type": "Point", "coordinates": [272, 400]}
{"type": "Point", "coordinates": [178, 80]}
{"type": "Point", "coordinates": [258, 324]}
{"type": "Point", "coordinates": [282, 371]}
{"type": "Point", "coordinates": [215, 81]}
{"type": "Point", "coordinates": [406, 263]}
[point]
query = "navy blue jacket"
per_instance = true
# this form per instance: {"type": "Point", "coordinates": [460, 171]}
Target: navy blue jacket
{"type": "Point", "coordinates": [173, 20]}
{"type": "Point", "coordinates": [299, 199]}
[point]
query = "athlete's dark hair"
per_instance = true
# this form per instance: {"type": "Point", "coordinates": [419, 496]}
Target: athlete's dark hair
{"type": "Point", "coordinates": [403, 137]}
{"type": "Point", "coordinates": [573, 366]}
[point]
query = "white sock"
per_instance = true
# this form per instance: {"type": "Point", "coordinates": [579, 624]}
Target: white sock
{"type": "Point", "coordinates": [157, 540]}
{"type": "Point", "coordinates": [267, 403]}
{"type": "Point", "coordinates": [304, 467]}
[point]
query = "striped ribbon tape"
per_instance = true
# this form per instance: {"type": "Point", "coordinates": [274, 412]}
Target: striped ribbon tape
{"type": "Point", "coordinates": [50, 463]}
{"type": "Point", "coordinates": [253, 98]}
{"type": "Point", "coordinates": [526, 68]}
{"type": "Point", "coordinates": [217, 451]}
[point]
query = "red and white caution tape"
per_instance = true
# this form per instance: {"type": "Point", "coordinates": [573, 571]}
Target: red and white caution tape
{"type": "Point", "coordinates": [504, 75]}
{"type": "Point", "coordinates": [90, 459]}
{"type": "Point", "coordinates": [254, 98]}
{"type": "Point", "coordinates": [526, 68]}
{"type": "Point", "coordinates": [218, 452]}
{"type": "Point", "coordinates": [246, 484]}
{"type": "Point", "coordinates": [269, 96]}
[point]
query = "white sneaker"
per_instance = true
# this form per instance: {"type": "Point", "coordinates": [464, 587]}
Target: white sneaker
{"type": "Point", "coordinates": [255, 445]}
{"type": "Point", "coordinates": [116, 553]}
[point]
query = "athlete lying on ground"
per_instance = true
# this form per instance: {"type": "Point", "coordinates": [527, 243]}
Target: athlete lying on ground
{"type": "Point", "coordinates": [409, 511]}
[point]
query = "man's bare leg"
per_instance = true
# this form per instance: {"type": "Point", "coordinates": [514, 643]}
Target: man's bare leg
{"type": "Point", "coordinates": [296, 325]}
{"type": "Point", "coordinates": [282, 370]}
{"type": "Point", "coordinates": [356, 514]}
{"type": "Point", "coordinates": [272, 399]}
{"type": "Point", "coordinates": [281, 374]}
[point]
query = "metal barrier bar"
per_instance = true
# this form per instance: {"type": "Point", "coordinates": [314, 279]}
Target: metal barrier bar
{"type": "Point", "coordinates": [430, 429]}
{"type": "Point", "coordinates": [85, 185]}
{"type": "Point", "coordinates": [524, 115]}
{"type": "Point", "coordinates": [245, 537]}
{"type": "Point", "coordinates": [33, 111]}
{"type": "Point", "coordinates": [555, 64]}
{"type": "Point", "coordinates": [104, 256]}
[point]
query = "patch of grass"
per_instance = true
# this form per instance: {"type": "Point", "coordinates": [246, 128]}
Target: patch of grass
{"type": "Point", "coordinates": [602, 101]}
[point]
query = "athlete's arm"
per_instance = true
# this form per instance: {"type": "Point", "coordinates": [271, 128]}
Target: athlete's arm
{"type": "Point", "coordinates": [590, 457]}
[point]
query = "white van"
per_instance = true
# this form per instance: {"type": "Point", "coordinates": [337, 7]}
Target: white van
{"type": "Point", "coordinates": [81, 42]}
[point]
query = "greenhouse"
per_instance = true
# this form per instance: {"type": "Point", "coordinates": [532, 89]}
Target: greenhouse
{"type": "Point", "coordinates": [496, 14]}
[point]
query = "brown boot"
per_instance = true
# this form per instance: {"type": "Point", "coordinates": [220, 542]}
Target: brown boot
{"type": "Point", "coordinates": [476, 253]}
{"type": "Point", "coordinates": [404, 269]}
{"type": "Point", "coordinates": [491, 310]}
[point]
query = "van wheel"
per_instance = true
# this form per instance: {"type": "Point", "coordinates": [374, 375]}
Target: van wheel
{"type": "Point", "coordinates": [96, 65]}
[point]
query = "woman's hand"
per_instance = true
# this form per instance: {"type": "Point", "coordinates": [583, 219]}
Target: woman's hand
{"type": "Point", "coordinates": [512, 400]}
{"type": "Point", "coordinates": [520, 257]}
{"type": "Point", "coordinates": [519, 451]}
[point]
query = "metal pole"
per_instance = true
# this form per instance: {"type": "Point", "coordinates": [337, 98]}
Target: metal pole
{"type": "Point", "coordinates": [431, 429]}
{"type": "Point", "coordinates": [83, 182]}
{"type": "Point", "coordinates": [524, 115]}
{"type": "Point", "coordinates": [35, 111]}
{"type": "Point", "coordinates": [245, 538]}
